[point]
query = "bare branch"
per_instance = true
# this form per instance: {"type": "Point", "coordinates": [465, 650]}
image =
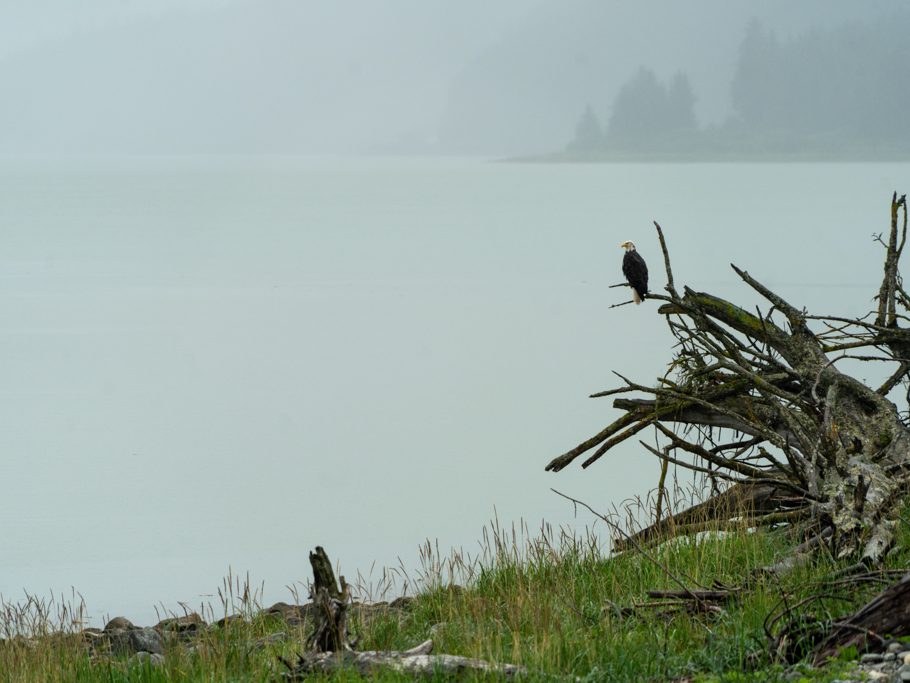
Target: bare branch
{"type": "Point", "coordinates": [663, 247]}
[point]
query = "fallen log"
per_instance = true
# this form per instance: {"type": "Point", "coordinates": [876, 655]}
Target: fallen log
{"type": "Point", "coordinates": [413, 662]}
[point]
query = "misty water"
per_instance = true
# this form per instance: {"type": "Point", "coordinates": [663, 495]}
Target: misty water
{"type": "Point", "coordinates": [212, 365]}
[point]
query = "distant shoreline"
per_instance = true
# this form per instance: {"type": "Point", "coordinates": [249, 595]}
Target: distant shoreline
{"type": "Point", "coordinates": [706, 158]}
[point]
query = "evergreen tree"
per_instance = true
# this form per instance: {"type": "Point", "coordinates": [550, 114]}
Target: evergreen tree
{"type": "Point", "coordinates": [588, 133]}
{"type": "Point", "coordinates": [649, 116]}
{"type": "Point", "coordinates": [756, 82]}
{"type": "Point", "coordinates": [681, 104]}
{"type": "Point", "coordinates": [639, 113]}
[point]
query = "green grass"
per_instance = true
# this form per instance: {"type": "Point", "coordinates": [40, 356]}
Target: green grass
{"type": "Point", "coordinates": [549, 603]}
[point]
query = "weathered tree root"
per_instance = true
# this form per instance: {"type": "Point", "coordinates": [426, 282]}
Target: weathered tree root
{"type": "Point", "coordinates": [758, 403]}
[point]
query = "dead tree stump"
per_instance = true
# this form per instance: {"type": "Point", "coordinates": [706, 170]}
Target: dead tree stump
{"type": "Point", "coordinates": [330, 632]}
{"type": "Point", "coordinates": [323, 574]}
{"type": "Point", "coordinates": [332, 650]}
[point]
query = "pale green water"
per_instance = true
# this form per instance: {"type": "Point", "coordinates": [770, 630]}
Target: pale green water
{"type": "Point", "coordinates": [211, 364]}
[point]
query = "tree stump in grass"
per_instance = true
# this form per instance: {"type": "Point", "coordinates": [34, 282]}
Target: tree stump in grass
{"type": "Point", "coordinates": [331, 650]}
{"type": "Point", "coordinates": [330, 633]}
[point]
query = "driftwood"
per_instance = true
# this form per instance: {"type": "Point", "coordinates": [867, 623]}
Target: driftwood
{"type": "Point", "coordinates": [759, 403]}
{"type": "Point", "coordinates": [330, 647]}
{"type": "Point", "coordinates": [695, 601]}
{"type": "Point", "coordinates": [416, 661]}
{"type": "Point", "coordinates": [703, 595]}
{"type": "Point", "coordinates": [801, 626]}
{"type": "Point", "coordinates": [669, 608]}
{"type": "Point", "coordinates": [886, 615]}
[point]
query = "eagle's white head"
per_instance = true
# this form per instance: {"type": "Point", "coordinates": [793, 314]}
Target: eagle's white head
{"type": "Point", "coordinates": [628, 246]}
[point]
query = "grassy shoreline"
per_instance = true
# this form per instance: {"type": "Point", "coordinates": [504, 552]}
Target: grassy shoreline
{"type": "Point", "coordinates": [552, 603]}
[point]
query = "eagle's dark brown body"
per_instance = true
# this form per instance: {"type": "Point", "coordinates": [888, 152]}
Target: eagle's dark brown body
{"type": "Point", "coordinates": [636, 272]}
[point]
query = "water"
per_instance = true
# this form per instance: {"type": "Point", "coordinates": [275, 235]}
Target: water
{"type": "Point", "coordinates": [215, 364]}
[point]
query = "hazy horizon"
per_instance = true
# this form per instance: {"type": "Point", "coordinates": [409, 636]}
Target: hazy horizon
{"type": "Point", "coordinates": [346, 77]}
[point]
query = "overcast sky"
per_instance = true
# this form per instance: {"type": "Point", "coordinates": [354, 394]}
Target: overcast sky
{"type": "Point", "coordinates": [25, 24]}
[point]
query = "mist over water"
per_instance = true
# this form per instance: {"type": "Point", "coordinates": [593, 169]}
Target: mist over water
{"type": "Point", "coordinates": [263, 287]}
{"type": "Point", "coordinates": [213, 364]}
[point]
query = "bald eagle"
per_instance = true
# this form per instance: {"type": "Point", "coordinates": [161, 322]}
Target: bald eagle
{"type": "Point", "coordinates": [636, 272]}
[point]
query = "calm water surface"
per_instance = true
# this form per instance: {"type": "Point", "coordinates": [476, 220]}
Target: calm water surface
{"type": "Point", "coordinates": [212, 365]}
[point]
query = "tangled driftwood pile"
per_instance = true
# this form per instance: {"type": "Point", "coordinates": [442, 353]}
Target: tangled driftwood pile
{"type": "Point", "coordinates": [763, 403]}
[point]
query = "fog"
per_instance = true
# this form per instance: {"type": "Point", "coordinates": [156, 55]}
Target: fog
{"type": "Point", "coordinates": [262, 285]}
{"type": "Point", "coordinates": [346, 76]}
